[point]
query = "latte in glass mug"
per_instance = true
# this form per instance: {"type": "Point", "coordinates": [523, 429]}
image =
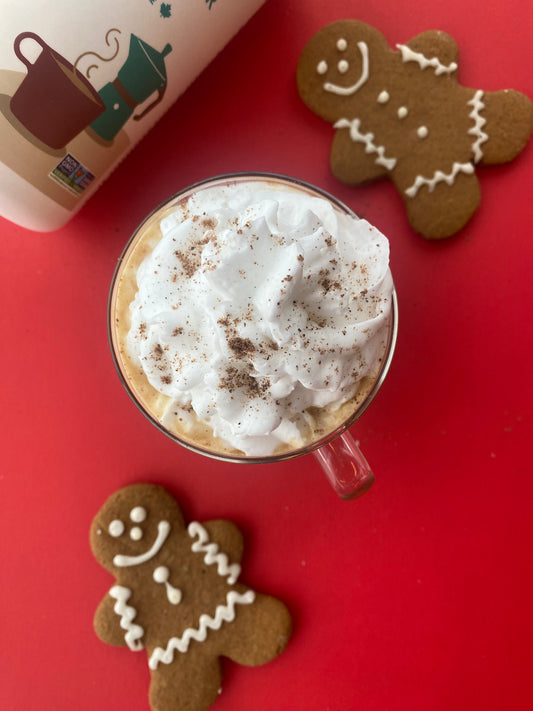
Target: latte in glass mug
{"type": "Point", "coordinates": [252, 317]}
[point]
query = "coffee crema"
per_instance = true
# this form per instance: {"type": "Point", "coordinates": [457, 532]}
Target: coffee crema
{"type": "Point", "coordinates": [252, 318]}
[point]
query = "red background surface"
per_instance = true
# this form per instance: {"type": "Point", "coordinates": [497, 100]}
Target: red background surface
{"type": "Point", "coordinates": [416, 597]}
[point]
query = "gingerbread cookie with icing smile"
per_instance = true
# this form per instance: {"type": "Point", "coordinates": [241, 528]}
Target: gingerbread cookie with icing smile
{"type": "Point", "coordinates": [177, 595]}
{"type": "Point", "coordinates": [401, 113]}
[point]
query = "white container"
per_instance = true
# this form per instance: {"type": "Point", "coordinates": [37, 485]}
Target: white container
{"type": "Point", "coordinates": [81, 83]}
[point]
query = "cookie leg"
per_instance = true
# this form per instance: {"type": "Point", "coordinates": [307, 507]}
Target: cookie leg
{"type": "Point", "coordinates": [509, 117]}
{"type": "Point", "coordinates": [444, 210]}
{"type": "Point", "coordinates": [191, 682]}
{"type": "Point", "coordinates": [259, 632]}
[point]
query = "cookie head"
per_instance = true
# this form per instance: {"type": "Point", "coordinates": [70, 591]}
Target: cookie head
{"type": "Point", "coordinates": [133, 525]}
{"type": "Point", "coordinates": [335, 65]}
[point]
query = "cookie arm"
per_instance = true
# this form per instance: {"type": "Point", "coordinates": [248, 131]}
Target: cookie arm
{"type": "Point", "coordinates": [351, 162]}
{"type": "Point", "coordinates": [107, 623]}
{"type": "Point", "coordinates": [435, 44]}
{"type": "Point", "coordinates": [227, 537]}
{"type": "Point", "coordinates": [509, 122]}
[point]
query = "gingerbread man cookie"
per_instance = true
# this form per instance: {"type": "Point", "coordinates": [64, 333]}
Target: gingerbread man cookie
{"type": "Point", "coordinates": [177, 596]}
{"type": "Point", "coordinates": [402, 114]}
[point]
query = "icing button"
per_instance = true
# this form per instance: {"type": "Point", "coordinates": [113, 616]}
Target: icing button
{"type": "Point", "coordinates": [161, 575]}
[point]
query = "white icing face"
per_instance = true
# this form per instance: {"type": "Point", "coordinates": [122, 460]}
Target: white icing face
{"type": "Point", "coordinates": [125, 561]}
{"type": "Point", "coordinates": [343, 67]}
{"type": "Point", "coordinates": [118, 528]}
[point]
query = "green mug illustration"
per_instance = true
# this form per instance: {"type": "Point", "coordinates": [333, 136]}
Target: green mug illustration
{"type": "Point", "coordinates": [142, 75]}
{"type": "Point", "coordinates": [55, 102]}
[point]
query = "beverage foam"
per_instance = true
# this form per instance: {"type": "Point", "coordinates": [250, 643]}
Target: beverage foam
{"type": "Point", "coordinates": [257, 308]}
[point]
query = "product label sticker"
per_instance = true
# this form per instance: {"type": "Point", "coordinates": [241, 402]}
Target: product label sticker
{"type": "Point", "coordinates": [72, 175]}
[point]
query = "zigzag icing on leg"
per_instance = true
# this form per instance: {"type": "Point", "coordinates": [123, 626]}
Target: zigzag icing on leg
{"type": "Point", "coordinates": [224, 613]}
{"type": "Point", "coordinates": [439, 177]}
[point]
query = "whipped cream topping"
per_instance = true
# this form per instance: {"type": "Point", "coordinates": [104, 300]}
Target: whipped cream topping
{"type": "Point", "coordinates": [256, 305]}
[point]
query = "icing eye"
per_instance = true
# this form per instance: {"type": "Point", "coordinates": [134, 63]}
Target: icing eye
{"type": "Point", "coordinates": [383, 97]}
{"type": "Point", "coordinates": [116, 528]}
{"type": "Point", "coordinates": [136, 533]}
{"type": "Point", "coordinates": [322, 67]}
{"type": "Point", "coordinates": [343, 66]}
{"type": "Point", "coordinates": [342, 45]}
{"type": "Point", "coordinates": [422, 131]}
{"type": "Point", "coordinates": [138, 514]}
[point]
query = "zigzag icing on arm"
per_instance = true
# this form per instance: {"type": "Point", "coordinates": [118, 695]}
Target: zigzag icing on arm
{"type": "Point", "coordinates": [127, 613]}
{"type": "Point", "coordinates": [368, 140]}
{"type": "Point", "coordinates": [476, 102]}
{"type": "Point", "coordinates": [439, 177]}
{"type": "Point", "coordinates": [409, 55]}
{"type": "Point", "coordinates": [212, 554]}
{"type": "Point", "coordinates": [224, 613]}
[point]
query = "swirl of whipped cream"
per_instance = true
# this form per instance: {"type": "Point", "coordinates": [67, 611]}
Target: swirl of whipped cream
{"type": "Point", "coordinates": [256, 305]}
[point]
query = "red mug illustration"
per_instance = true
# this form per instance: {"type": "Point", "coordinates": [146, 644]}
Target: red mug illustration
{"type": "Point", "coordinates": [54, 102]}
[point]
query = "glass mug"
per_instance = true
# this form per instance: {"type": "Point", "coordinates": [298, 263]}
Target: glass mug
{"type": "Point", "coordinates": [337, 452]}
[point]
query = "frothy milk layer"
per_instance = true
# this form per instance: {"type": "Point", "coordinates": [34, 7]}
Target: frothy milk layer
{"type": "Point", "coordinates": [257, 310]}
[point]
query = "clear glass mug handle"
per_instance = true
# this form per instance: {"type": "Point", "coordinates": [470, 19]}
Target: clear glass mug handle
{"type": "Point", "coordinates": [345, 467]}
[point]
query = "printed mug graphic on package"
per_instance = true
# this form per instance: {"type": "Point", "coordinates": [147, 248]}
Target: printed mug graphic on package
{"type": "Point", "coordinates": [88, 97]}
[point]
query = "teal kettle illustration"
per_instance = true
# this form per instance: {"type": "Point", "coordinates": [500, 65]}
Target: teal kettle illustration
{"type": "Point", "coordinates": [142, 75]}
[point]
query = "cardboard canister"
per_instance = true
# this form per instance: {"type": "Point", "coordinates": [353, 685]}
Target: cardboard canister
{"type": "Point", "coordinates": [80, 85]}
